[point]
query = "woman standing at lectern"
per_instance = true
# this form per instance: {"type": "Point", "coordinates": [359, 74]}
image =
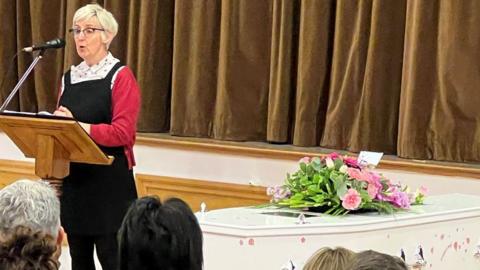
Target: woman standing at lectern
{"type": "Point", "coordinates": [102, 94]}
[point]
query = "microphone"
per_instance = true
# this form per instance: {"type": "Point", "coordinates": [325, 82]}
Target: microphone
{"type": "Point", "coordinates": [54, 44]}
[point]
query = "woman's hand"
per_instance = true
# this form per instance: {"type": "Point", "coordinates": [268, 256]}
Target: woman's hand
{"type": "Point", "coordinates": [63, 111]}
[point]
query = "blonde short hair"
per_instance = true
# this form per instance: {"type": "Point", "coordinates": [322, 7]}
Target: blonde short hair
{"type": "Point", "coordinates": [105, 18]}
{"type": "Point", "coordinates": [330, 259]}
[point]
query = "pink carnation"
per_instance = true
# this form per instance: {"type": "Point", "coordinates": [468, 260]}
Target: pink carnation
{"type": "Point", "coordinates": [355, 173]}
{"type": "Point", "coordinates": [373, 189]}
{"type": "Point", "coordinates": [351, 162]}
{"type": "Point", "coordinates": [334, 156]}
{"type": "Point", "coordinates": [351, 200]}
{"type": "Point", "coordinates": [401, 199]}
{"type": "Point", "coordinates": [372, 177]}
{"type": "Point", "coordinates": [396, 197]}
{"type": "Point", "coordinates": [374, 184]}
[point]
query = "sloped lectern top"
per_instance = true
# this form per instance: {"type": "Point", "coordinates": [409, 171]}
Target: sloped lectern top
{"type": "Point", "coordinates": [53, 141]}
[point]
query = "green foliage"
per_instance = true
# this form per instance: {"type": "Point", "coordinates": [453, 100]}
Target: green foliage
{"type": "Point", "coordinates": [315, 185]}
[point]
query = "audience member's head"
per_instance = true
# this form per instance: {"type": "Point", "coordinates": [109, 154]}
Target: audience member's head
{"type": "Point", "coordinates": [30, 231]}
{"type": "Point", "coordinates": [24, 249]}
{"type": "Point", "coordinates": [32, 204]}
{"type": "Point", "coordinates": [160, 236]}
{"type": "Point", "coordinates": [330, 259]}
{"type": "Point", "coordinates": [372, 260]}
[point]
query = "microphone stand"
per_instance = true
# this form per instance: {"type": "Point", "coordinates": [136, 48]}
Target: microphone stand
{"type": "Point", "coordinates": [22, 80]}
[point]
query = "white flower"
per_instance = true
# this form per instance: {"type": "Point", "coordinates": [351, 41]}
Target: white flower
{"type": "Point", "coordinates": [343, 169]}
{"type": "Point", "coordinates": [329, 163]}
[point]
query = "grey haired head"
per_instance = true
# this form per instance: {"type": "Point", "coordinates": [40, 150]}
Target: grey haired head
{"type": "Point", "coordinates": [31, 203]}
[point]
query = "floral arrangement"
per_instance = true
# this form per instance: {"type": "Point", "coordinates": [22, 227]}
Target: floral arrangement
{"type": "Point", "coordinates": [338, 184]}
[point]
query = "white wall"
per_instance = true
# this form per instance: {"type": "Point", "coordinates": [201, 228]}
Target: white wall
{"type": "Point", "coordinates": [8, 150]}
{"type": "Point", "coordinates": [243, 170]}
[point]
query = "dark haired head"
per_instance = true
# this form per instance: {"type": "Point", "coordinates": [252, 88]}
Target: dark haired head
{"type": "Point", "coordinates": [160, 236]}
{"type": "Point", "coordinates": [372, 260]}
{"type": "Point", "coordinates": [24, 249]}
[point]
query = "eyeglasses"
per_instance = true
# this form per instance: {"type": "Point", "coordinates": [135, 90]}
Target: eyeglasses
{"type": "Point", "coordinates": [86, 32]}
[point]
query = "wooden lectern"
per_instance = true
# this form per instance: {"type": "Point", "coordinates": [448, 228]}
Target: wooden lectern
{"type": "Point", "coordinates": [53, 142]}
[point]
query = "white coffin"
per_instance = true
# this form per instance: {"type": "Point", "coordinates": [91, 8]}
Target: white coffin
{"type": "Point", "coordinates": [447, 228]}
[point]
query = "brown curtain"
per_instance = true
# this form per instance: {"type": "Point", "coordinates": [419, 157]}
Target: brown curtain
{"type": "Point", "coordinates": [397, 76]}
{"type": "Point", "coordinates": [439, 104]}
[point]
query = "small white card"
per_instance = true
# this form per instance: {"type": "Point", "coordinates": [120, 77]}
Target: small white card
{"type": "Point", "coordinates": [369, 158]}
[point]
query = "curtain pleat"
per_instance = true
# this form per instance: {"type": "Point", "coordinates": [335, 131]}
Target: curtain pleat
{"type": "Point", "coordinates": [243, 70]}
{"type": "Point", "coordinates": [48, 72]}
{"type": "Point", "coordinates": [365, 84]}
{"type": "Point", "coordinates": [8, 48]}
{"type": "Point", "coordinates": [283, 58]}
{"type": "Point", "coordinates": [351, 41]}
{"type": "Point", "coordinates": [144, 43]}
{"type": "Point", "coordinates": [439, 112]}
{"type": "Point", "coordinates": [195, 67]}
{"type": "Point", "coordinates": [396, 76]}
{"type": "Point", "coordinates": [317, 28]}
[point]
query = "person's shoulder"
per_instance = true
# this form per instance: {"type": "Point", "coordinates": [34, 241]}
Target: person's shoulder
{"type": "Point", "coordinates": [124, 72]}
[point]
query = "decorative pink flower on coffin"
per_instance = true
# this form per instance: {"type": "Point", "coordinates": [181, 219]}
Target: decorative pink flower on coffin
{"type": "Point", "coordinates": [351, 162]}
{"type": "Point", "coordinates": [351, 200]}
{"type": "Point", "coordinates": [383, 195]}
{"type": "Point", "coordinates": [423, 190]}
{"type": "Point", "coordinates": [334, 155]}
{"type": "Point", "coordinates": [355, 173]}
{"type": "Point", "coordinates": [278, 193]}
{"type": "Point", "coordinates": [396, 197]}
{"type": "Point", "coordinates": [372, 177]}
{"type": "Point", "coordinates": [373, 189]}
{"type": "Point", "coordinates": [305, 160]}
{"type": "Point", "coordinates": [401, 199]}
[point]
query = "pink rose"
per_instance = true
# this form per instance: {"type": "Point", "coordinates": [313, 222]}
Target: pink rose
{"type": "Point", "coordinates": [351, 200]}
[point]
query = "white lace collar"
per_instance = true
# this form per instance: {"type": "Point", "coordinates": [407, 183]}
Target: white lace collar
{"type": "Point", "coordinates": [82, 72]}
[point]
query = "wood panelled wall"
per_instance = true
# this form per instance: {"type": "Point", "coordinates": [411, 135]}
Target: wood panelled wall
{"type": "Point", "coordinates": [11, 170]}
{"type": "Point", "coordinates": [194, 192]}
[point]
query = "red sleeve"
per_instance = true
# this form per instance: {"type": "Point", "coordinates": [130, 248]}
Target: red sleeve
{"type": "Point", "coordinates": [125, 109]}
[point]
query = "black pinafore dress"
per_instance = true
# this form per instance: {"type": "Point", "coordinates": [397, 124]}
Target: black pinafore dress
{"type": "Point", "coordinates": [95, 198]}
